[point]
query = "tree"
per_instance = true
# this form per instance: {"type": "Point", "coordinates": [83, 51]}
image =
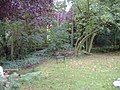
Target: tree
{"type": "Point", "coordinates": [21, 20]}
{"type": "Point", "coordinates": [92, 16]}
{"type": "Point", "coordinates": [86, 25]}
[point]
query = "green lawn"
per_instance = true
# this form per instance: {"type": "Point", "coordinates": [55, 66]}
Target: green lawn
{"type": "Point", "coordinates": [94, 72]}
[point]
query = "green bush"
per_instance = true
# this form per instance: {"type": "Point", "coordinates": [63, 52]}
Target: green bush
{"type": "Point", "coordinates": [18, 40]}
{"type": "Point", "coordinates": [58, 39]}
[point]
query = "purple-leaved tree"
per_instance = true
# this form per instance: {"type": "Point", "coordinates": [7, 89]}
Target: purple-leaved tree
{"type": "Point", "coordinates": [38, 12]}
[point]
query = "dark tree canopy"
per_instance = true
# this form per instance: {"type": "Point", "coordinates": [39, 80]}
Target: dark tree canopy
{"type": "Point", "coordinates": [5, 8]}
{"type": "Point", "coordinates": [36, 10]}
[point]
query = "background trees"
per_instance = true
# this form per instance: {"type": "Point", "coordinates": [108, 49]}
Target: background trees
{"type": "Point", "coordinates": [100, 16]}
{"type": "Point", "coordinates": [22, 26]}
{"type": "Point", "coordinates": [87, 23]}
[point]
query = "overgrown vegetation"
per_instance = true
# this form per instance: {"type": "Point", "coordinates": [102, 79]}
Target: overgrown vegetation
{"type": "Point", "coordinates": [88, 23]}
{"type": "Point", "coordinates": [97, 17]}
{"type": "Point", "coordinates": [36, 31]}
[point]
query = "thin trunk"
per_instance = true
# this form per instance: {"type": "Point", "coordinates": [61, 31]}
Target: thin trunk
{"type": "Point", "coordinates": [80, 38]}
{"type": "Point", "coordinates": [88, 6]}
{"type": "Point", "coordinates": [91, 42]}
{"type": "Point", "coordinates": [73, 29]}
{"type": "Point", "coordinates": [87, 40]}
{"type": "Point", "coordinates": [115, 40]}
{"type": "Point", "coordinates": [72, 36]}
{"type": "Point", "coordinates": [83, 41]}
{"type": "Point", "coordinates": [58, 20]}
{"type": "Point", "coordinates": [12, 46]}
{"type": "Point", "coordinates": [5, 47]}
{"type": "Point", "coordinates": [87, 44]}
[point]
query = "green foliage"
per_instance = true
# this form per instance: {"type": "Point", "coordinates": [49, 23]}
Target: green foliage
{"type": "Point", "coordinates": [18, 39]}
{"type": "Point", "coordinates": [110, 20]}
{"type": "Point", "coordinates": [60, 6]}
{"type": "Point", "coordinates": [100, 15]}
{"type": "Point", "coordinates": [58, 39]}
{"type": "Point", "coordinates": [1, 83]}
{"type": "Point", "coordinates": [16, 81]}
{"type": "Point", "coordinates": [29, 77]}
{"type": "Point", "coordinates": [27, 62]}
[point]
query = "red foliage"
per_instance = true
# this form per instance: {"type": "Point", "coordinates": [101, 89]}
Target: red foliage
{"type": "Point", "coordinates": [5, 8]}
{"type": "Point", "coordinates": [37, 11]}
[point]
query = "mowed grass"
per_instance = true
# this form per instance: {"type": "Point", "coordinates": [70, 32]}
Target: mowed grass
{"type": "Point", "coordinates": [94, 72]}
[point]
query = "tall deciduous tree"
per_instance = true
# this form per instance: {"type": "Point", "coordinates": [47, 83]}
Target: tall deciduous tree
{"type": "Point", "coordinates": [92, 16]}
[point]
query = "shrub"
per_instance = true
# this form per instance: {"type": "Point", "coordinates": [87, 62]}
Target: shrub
{"type": "Point", "coordinates": [58, 39]}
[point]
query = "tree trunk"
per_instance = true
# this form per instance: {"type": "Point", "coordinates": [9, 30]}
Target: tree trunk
{"type": "Point", "coordinates": [91, 42]}
{"type": "Point", "coordinates": [72, 34]}
{"type": "Point", "coordinates": [82, 41]}
{"type": "Point", "coordinates": [5, 47]}
{"type": "Point", "coordinates": [12, 46]}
